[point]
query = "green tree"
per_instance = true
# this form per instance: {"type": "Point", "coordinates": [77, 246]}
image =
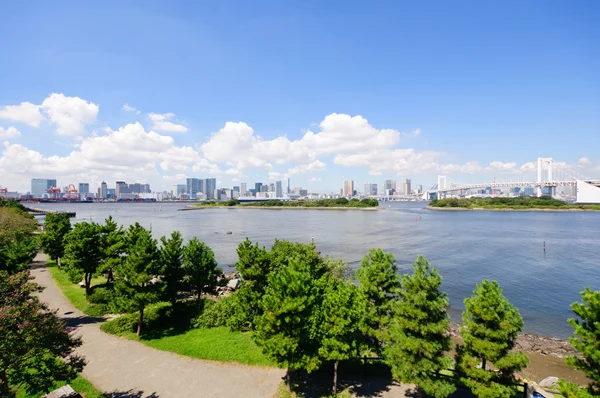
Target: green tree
{"type": "Point", "coordinates": [137, 284]}
{"type": "Point", "coordinates": [254, 266]}
{"type": "Point", "coordinates": [83, 252]}
{"type": "Point", "coordinates": [36, 349]}
{"type": "Point", "coordinates": [489, 331]}
{"type": "Point", "coordinates": [587, 342]}
{"type": "Point", "coordinates": [13, 221]}
{"type": "Point", "coordinates": [418, 342]}
{"type": "Point", "coordinates": [171, 262]}
{"type": "Point", "coordinates": [200, 267]}
{"type": "Point", "coordinates": [339, 315]}
{"type": "Point", "coordinates": [113, 248]}
{"type": "Point", "coordinates": [379, 283]}
{"type": "Point", "coordinates": [284, 328]}
{"type": "Point", "coordinates": [17, 254]}
{"type": "Point", "coordinates": [56, 227]}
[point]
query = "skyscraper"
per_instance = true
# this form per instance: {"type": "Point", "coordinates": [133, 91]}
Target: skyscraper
{"type": "Point", "coordinates": [374, 189]}
{"type": "Point", "coordinates": [210, 187]}
{"type": "Point", "coordinates": [243, 189]}
{"type": "Point", "coordinates": [406, 189]}
{"type": "Point", "coordinates": [40, 186]}
{"type": "Point", "coordinates": [390, 184]}
{"type": "Point", "coordinates": [288, 189]}
{"type": "Point", "coordinates": [121, 188]}
{"type": "Point", "coordinates": [257, 186]}
{"type": "Point", "coordinates": [278, 189]}
{"type": "Point", "coordinates": [84, 188]}
{"type": "Point", "coordinates": [103, 190]}
{"type": "Point", "coordinates": [348, 188]}
{"type": "Point", "coordinates": [192, 187]}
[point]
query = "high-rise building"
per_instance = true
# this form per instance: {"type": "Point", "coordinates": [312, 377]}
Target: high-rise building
{"type": "Point", "coordinates": [84, 188]}
{"type": "Point", "coordinates": [272, 187]}
{"type": "Point", "coordinates": [406, 189]}
{"type": "Point", "coordinates": [236, 188]}
{"type": "Point", "coordinates": [193, 187]}
{"type": "Point", "coordinates": [121, 188]}
{"type": "Point", "coordinates": [243, 189]}
{"type": "Point", "coordinates": [374, 189]}
{"type": "Point", "coordinates": [367, 189]}
{"type": "Point", "coordinates": [103, 190]}
{"type": "Point", "coordinates": [179, 189]}
{"type": "Point", "coordinates": [278, 190]}
{"type": "Point", "coordinates": [40, 186]}
{"type": "Point", "coordinates": [390, 184]}
{"type": "Point", "coordinates": [348, 188]}
{"type": "Point", "coordinates": [210, 185]}
{"type": "Point", "coordinates": [257, 186]}
{"type": "Point", "coordinates": [288, 188]}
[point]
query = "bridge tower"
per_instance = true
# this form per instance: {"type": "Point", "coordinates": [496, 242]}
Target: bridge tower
{"type": "Point", "coordinates": [541, 163]}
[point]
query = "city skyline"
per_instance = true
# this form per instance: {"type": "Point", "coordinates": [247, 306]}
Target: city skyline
{"type": "Point", "coordinates": [483, 93]}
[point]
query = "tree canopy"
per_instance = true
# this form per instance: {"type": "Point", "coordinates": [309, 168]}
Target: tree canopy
{"type": "Point", "coordinates": [418, 343]}
{"type": "Point", "coordinates": [83, 252]}
{"type": "Point", "coordinates": [489, 331]}
{"type": "Point", "coordinates": [56, 227]}
{"type": "Point", "coordinates": [200, 267]}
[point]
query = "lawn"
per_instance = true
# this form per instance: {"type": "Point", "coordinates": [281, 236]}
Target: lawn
{"type": "Point", "coordinates": [81, 385]}
{"type": "Point", "coordinates": [73, 291]}
{"type": "Point", "coordinates": [217, 344]}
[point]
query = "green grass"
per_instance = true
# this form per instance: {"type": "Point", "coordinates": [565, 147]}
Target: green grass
{"type": "Point", "coordinates": [516, 203]}
{"type": "Point", "coordinates": [216, 344]}
{"type": "Point", "coordinates": [81, 385]}
{"type": "Point", "coordinates": [72, 291]}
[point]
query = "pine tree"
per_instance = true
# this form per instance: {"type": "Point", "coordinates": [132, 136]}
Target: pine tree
{"type": "Point", "coordinates": [284, 328]}
{"type": "Point", "coordinates": [113, 248]}
{"type": "Point", "coordinates": [379, 283]}
{"type": "Point", "coordinates": [56, 227]}
{"type": "Point", "coordinates": [171, 263]}
{"type": "Point", "coordinates": [489, 331]}
{"type": "Point", "coordinates": [136, 282]}
{"type": "Point", "coordinates": [417, 338]}
{"type": "Point", "coordinates": [200, 267]}
{"type": "Point", "coordinates": [338, 318]}
{"type": "Point", "coordinates": [83, 252]}
{"type": "Point", "coordinates": [587, 342]}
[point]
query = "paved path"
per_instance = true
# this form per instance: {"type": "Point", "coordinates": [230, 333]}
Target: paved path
{"type": "Point", "coordinates": [126, 369]}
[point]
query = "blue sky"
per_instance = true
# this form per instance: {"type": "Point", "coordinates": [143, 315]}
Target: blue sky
{"type": "Point", "coordinates": [387, 90]}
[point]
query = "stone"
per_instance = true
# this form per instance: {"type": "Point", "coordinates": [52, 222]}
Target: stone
{"type": "Point", "coordinates": [550, 381]}
{"type": "Point", "coordinates": [63, 392]}
{"type": "Point", "coordinates": [233, 284]}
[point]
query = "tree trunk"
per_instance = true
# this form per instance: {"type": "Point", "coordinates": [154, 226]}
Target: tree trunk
{"type": "Point", "coordinates": [140, 322]}
{"type": "Point", "coordinates": [420, 392]}
{"type": "Point", "coordinates": [88, 283]}
{"type": "Point", "coordinates": [483, 364]}
{"type": "Point", "coordinates": [288, 377]}
{"type": "Point", "coordinates": [109, 277]}
{"type": "Point", "coordinates": [58, 262]}
{"type": "Point", "coordinates": [4, 387]}
{"type": "Point", "coordinates": [335, 368]}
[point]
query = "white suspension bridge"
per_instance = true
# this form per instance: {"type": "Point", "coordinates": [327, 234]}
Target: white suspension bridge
{"type": "Point", "coordinates": [550, 175]}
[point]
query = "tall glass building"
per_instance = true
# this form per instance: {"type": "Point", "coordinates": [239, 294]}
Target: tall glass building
{"type": "Point", "coordinates": [40, 186]}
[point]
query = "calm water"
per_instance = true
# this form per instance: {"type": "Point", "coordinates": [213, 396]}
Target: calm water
{"type": "Point", "coordinates": [466, 247]}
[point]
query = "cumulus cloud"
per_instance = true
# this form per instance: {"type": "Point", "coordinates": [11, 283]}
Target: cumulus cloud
{"type": "Point", "coordinates": [584, 161]}
{"type": "Point", "coordinates": [25, 112]}
{"type": "Point", "coordinates": [501, 166]}
{"type": "Point", "coordinates": [10, 132]}
{"type": "Point", "coordinates": [316, 165]}
{"type": "Point", "coordinates": [70, 114]}
{"type": "Point", "coordinates": [312, 180]}
{"type": "Point", "coordinates": [161, 122]}
{"type": "Point", "coordinates": [398, 161]}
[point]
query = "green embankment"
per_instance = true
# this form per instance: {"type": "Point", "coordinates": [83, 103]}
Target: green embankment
{"type": "Point", "coordinates": [216, 344]}
{"type": "Point", "coordinates": [81, 385]}
{"type": "Point", "coordinates": [519, 203]}
{"type": "Point", "coordinates": [321, 203]}
{"type": "Point", "coordinates": [74, 292]}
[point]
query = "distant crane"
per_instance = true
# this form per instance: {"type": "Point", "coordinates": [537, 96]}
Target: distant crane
{"type": "Point", "coordinates": [54, 192]}
{"type": "Point", "coordinates": [72, 192]}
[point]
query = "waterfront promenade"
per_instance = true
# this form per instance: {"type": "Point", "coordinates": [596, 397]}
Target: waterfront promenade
{"type": "Point", "coordinates": [124, 368]}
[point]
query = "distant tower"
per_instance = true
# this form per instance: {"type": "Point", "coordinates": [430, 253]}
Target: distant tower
{"type": "Point", "coordinates": [288, 190]}
{"type": "Point", "coordinates": [103, 190]}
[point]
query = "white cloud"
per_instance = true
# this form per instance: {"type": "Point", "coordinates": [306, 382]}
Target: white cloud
{"type": "Point", "coordinates": [70, 114]}
{"type": "Point", "coordinates": [129, 108]}
{"type": "Point", "coordinates": [584, 161]}
{"type": "Point", "coordinates": [160, 122]}
{"type": "Point", "coordinates": [412, 134]}
{"type": "Point", "coordinates": [276, 176]}
{"type": "Point", "coordinates": [10, 132]}
{"type": "Point", "coordinates": [501, 166]}
{"type": "Point", "coordinates": [25, 112]}
{"type": "Point", "coordinates": [312, 180]}
{"type": "Point", "coordinates": [316, 165]}
{"type": "Point", "coordinates": [399, 161]}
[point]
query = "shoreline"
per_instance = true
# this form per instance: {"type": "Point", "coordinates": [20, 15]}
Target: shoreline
{"type": "Point", "coordinates": [532, 343]}
{"type": "Point", "coordinates": [548, 210]}
{"type": "Point", "coordinates": [193, 207]}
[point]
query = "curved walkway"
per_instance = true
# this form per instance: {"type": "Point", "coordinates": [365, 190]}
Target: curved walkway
{"type": "Point", "coordinates": [126, 369]}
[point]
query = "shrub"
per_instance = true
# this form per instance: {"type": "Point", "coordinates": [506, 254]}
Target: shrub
{"type": "Point", "coordinates": [123, 324]}
{"type": "Point", "coordinates": [100, 295]}
{"type": "Point", "coordinates": [216, 314]}
{"type": "Point", "coordinates": [97, 309]}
